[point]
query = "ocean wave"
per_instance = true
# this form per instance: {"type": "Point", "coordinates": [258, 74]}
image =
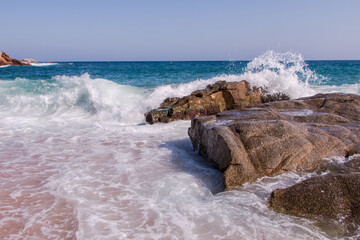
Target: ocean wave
{"type": "Point", "coordinates": [4, 66]}
{"type": "Point", "coordinates": [43, 64]}
{"type": "Point", "coordinates": [275, 72]}
{"type": "Point", "coordinates": [73, 97]}
{"type": "Point", "coordinates": [282, 72]}
{"type": "Point", "coordinates": [104, 100]}
{"type": "Point", "coordinates": [344, 88]}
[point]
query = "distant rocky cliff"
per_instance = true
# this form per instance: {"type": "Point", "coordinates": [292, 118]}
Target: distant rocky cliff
{"type": "Point", "coordinates": [7, 60]}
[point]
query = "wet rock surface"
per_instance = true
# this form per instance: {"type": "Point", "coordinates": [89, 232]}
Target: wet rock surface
{"type": "Point", "coordinates": [334, 196]}
{"type": "Point", "coordinates": [277, 137]}
{"type": "Point", "coordinates": [215, 98]}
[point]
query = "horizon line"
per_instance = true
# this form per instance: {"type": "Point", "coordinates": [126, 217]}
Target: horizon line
{"type": "Point", "coordinates": [63, 61]}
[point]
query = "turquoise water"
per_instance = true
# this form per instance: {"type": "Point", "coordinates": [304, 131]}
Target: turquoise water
{"type": "Point", "coordinates": [152, 74]}
{"type": "Point", "coordinates": [78, 160]}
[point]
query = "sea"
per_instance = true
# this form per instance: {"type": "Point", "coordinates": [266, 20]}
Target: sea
{"type": "Point", "coordinates": [78, 160]}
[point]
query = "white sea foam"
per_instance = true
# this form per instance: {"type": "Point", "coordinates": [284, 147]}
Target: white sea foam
{"type": "Point", "coordinates": [73, 97]}
{"type": "Point", "coordinates": [4, 66]}
{"type": "Point", "coordinates": [344, 88]}
{"type": "Point", "coordinates": [131, 182]}
{"type": "Point", "coordinates": [180, 90]}
{"type": "Point", "coordinates": [276, 72]}
{"type": "Point", "coordinates": [305, 112]}
{"type": "Point", "coordinates": [43, 64]}
{"type": "Point", "coordinates": [281, 72]}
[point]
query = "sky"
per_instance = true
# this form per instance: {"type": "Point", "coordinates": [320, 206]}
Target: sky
{"type": "Point", "coordinates": [163, 30]}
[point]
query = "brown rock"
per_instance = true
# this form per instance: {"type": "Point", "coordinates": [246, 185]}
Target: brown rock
{"type": "Point", "coordinates": [277, 137]}
{"type": "Point", "coordinates": [7, 60]}
{"type": "Point", "coordinates": [3, 60]}
{"type": "Point", "coordinates": [6, 57]}
{"type": "Point", "coordinates": [335, 196]}
{"type": "Point", "coordinates": [354, 164]}
{"type": "Point", "coordinates": [214, 99]}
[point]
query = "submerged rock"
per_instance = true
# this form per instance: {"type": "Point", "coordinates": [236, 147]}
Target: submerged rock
{"type": "Point", "coordinates": [7, 60]}
{"type": "Point", "coordinates": [215, 98]}
{"type": "Point", "coordinates": [277, 137]}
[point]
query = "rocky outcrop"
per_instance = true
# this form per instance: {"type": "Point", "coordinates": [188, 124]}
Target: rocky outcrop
{"type": "Point", "coordinates": [334, 196]}
{"type": "Point", "coordinates": [7, 60]}
{"type": "Point", "coordinates": [215, 98]}
{"type": "Point", "coordinates": [277, 137]}
{"type": "Point", "coordinates": [28, 61]}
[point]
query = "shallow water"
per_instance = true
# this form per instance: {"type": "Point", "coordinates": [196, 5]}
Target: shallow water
{"type": "Point", "coordinates": [78, 162]}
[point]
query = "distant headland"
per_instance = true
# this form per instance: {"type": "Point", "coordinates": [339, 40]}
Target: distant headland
{"type": "Point", "coordinates": [5, 59]}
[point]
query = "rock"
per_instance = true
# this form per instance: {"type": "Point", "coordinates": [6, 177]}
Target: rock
{"type": "Point", "coordinates": [334, 196]}
{"type": "Point", "coordinates": [354, 164]}
{"type": "Point", "coordinates": [28, 60]}
{"type": "Point", "coordinates": [277, 137]}
{"type": "Point", "coordinates": [6, 57]}
{"type": "Point", "coordinates": [214, 99]}
{"type": "Point", "coordinates": [7, 60]}
{"type": "Point", "coordinates": [3, 59]}
{"type": "Point", "coordinates": [274, 97]}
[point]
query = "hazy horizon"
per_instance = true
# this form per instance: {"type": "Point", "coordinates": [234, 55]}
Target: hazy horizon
{"type": "Point", "coordinates": [235, 60]}
{"type": "Point", "coordinates": [179, 31]}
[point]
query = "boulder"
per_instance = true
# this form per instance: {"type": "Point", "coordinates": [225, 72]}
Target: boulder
{"type": "Point", "coordinates": [213, 99]}
{"type": "Point", "coordinates": [278, 137]}
{"type": "Point", "coordinates": [334, 196]}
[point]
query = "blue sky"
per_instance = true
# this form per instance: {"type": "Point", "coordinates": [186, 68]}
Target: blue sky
{"type": "Point", "coordinates": [77, 30]}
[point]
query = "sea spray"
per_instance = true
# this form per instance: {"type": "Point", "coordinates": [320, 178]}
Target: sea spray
{"type": "Point", "coordinates": [275, 72]}
{"type": "Point", "coordinates": [282, 72]}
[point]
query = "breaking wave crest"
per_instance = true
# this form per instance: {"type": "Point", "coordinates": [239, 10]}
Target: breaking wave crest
{"type": "Point", "coordinates": [43, 64]}
{"type": "Point", "coordinates": [282, 72]}
{"type": "Point", "coordinates": [73, 97]}
{"type": "Point", "coordinates": [275, 72]}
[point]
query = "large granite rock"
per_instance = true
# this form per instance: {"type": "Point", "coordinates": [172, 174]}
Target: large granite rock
{"type": "Point", "coordinates": [334, 196]}
{"type": "Point", "coordinates": [215, 98]}
{"type": "Point", "coordinates": [7, 60]}
{"type": "Point", "coordinates": [277, 137]}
